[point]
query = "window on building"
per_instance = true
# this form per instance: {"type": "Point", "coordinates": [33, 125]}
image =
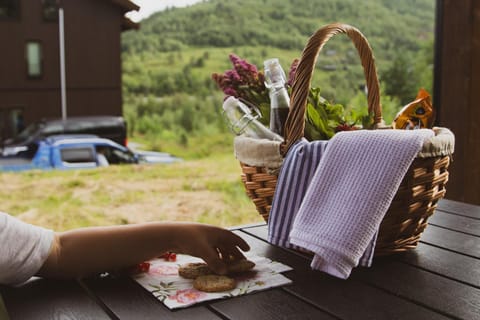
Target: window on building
{"type": "Point", "coordinates": [34, 59]}
{"type": "Point", "coordinates": [9, 9]}
{"type": "Point", "coordinates": [50, 10]}
{"type": "Point", "coordinates": [11, 121]}
{"type": "Point", "coordinates": [18, 124]}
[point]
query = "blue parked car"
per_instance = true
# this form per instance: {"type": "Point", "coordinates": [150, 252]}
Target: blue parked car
{"type": "Point", "coordinates": [24, 145]}
{"type": "Point", "coordinates": [81, 151]}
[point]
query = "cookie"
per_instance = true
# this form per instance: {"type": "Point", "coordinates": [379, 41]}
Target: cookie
{"type": "Point", "coordinates": [214, 283]}
{"type": "Point", "coordinates": [241, 265]}
{"type": "Point", "coordinates": [194, 270]}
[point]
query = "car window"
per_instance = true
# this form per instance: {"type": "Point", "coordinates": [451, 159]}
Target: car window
{"type": "Point", "coordinates": [76, 155]}
{"type": "Point", "coordinates": [28, 132]}
{"type": "Point", "coordinates": [118, 156]}
{"type": "Point", "coordinates": [123, 156]}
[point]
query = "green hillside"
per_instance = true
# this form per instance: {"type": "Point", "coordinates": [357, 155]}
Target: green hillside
{"type": "Point", "coordinates": [171, 101]}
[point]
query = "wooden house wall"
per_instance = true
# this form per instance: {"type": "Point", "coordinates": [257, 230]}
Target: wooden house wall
{"type": "Point", "coordinates": [93, 61]}
{"type": "Point", "coordinates": [458, 89]}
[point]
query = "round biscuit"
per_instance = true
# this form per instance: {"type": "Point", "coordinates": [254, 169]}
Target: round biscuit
{"type": "Point", "coordinates": [214, 283]}
{"type": "Point", "coordinates": [194, 270]}
{"type": "Point", "coordinates": [240, 266]}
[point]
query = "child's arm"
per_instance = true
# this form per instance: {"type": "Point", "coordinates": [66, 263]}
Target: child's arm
{"type": "Point", "coordinates": [86, 251]}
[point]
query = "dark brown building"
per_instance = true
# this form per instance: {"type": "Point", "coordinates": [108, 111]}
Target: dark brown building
{"type": "Point", "coordinates": [30, 63]}
{"type": "Point", "coordinates": [458, 84]}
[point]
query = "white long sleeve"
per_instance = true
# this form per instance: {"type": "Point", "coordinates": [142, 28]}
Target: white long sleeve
{"type": "Point", "coordinates": [23, 249]}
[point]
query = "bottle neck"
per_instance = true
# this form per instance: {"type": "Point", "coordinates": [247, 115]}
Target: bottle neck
{"type": "Point", "coordinates": [279, 97]}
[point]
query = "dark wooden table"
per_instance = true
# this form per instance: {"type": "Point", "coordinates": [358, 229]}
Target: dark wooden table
{"type": "Point", "coordinates": [438, 280]}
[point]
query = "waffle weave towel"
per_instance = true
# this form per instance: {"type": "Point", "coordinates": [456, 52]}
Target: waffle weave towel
{"type": "Point", "coordinates": [349, 194]}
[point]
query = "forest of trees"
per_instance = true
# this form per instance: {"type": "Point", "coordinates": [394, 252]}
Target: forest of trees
{"type": "Point", "coordinates": [171, 100]}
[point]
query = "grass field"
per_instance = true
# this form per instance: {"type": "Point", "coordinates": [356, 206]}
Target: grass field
{"type": "Point", "coordinates": [208, 190]}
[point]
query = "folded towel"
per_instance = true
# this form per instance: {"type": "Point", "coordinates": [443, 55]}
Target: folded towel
{"type": "Point", "coordinates": [350, 193]}
{"type": "Point", "coordinates": [293, 180]}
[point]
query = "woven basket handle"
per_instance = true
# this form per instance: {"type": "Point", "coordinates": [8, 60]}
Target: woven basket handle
{"type": "Point", "coordinates": [295, 124]}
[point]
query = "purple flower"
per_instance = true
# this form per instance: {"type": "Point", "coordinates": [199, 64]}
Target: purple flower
{"type": "Point", "coordinates": [230, 92]}
{"type": "Point", "coordinates": [233, 76]}
{"type": "Point", "coordinates": [243, 81]}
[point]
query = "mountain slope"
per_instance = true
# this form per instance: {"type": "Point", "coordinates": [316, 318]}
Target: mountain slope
{"type": "Point", "coordinates": [282, 23]}
{"type": "Point", "coordinates": [168, 63]}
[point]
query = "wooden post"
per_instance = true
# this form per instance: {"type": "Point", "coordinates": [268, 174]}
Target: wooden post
{"type": "Point", "coordinates": [457, 90]}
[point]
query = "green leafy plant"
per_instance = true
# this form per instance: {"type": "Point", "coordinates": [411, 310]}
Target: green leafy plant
{"type": "Point", "coordinates": [323, 119]}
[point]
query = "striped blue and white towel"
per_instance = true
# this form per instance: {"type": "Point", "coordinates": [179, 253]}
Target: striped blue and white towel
{"type": "Point", "coordinates": [294, 178]}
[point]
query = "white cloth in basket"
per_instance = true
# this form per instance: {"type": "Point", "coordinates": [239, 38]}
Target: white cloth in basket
{"type": "Point", "coordinates": [350, 193]}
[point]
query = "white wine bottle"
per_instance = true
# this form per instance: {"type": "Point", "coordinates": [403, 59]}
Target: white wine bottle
{"type": "Point", "coordinates": [275, 81]}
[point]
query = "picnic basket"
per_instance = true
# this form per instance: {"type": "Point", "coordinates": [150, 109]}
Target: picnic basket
{"type": "Point", "coordinates": [421, 188]}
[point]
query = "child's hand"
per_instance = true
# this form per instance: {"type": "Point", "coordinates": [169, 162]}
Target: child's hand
{"type": "Point", "coordinates": [213, 244]}
{"type": "Point", "coordinates": [82, 252]}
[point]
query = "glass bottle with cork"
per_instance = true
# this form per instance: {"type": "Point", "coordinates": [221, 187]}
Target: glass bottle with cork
{"type": "Point", "coordinates": [242, 120]}
{"type": "Point", "coordinates": [275, 81]}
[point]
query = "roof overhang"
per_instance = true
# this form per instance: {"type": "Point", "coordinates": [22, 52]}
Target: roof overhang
{"type": "Point", "coordinates": [127, 6]}
{"type": "Point", "coordinates": [128, 24]}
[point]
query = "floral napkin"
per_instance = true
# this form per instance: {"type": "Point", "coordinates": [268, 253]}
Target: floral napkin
{"type": "Point", "coordinates": [163, 281]}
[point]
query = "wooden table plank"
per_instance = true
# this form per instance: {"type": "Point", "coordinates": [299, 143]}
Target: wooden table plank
{"type": "Point", "coordinates": [344, 299]}
{"type": "Point", "coordinates": [452, 240]}
{"type": "Point", "coordinates": [274, 304]}
{"type": "Point", "coordinates": [455, 222]}
{"type": "Point", "coordinates": [48, 299]}
{"type": "Point", "coordinates": [128, 300]}
{"type": "Point", "coordinates": [459, 208]}
{"type": "Point", "coordinates": [417, 285]}
{"type": "Point", "coordinates": [449, 297]}
{"type": "Point", "coordinates": [443, 262]}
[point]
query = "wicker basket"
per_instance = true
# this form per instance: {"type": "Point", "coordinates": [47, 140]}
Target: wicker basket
{"type": "Point", "coordinates": [422, 186]}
